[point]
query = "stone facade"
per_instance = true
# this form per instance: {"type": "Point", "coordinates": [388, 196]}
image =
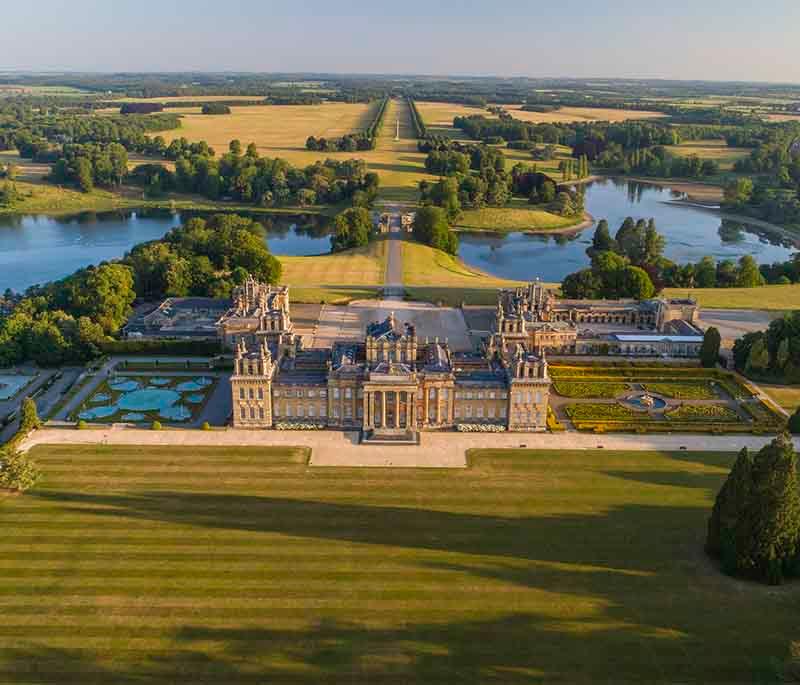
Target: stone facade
{"type": "Point", "coordinates": [390, 384]}
{"type": "Point", "coordinates": [532, 316]}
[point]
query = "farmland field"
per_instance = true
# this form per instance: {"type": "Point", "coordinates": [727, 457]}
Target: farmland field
{"type": "Point", "coordinates": [716, 150]}
{"type": "Point", "coordinates": [209, 565]}
{"type": "Point", "coordinates": [569, 114]}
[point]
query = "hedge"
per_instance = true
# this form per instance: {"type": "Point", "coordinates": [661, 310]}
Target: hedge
{"type": "Point", "coordinates": [590, 389]}
{"type": "Point", "coordinates": [416, 119]}
{"type": "Point", "coordinates": [689, 390]}
{"type": "Point", "coordinates": [709, 413]}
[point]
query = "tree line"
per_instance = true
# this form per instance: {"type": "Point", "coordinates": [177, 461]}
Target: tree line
{"type": "Point", "coordinates": [350, 142]}
{"type": "Point", "coordinates": [70, 320]}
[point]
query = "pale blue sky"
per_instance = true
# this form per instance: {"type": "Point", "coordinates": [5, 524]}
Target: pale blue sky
{"type": "Point", "coordinates": [687, 39]}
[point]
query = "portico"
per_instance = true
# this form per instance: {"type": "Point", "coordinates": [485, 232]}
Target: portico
{"type": "Point", "coordinates": [390, 409]}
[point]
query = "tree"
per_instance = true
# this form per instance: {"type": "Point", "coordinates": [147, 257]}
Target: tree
{"type": "Point", "coordinates": [602, 240]}
{"type": "Point", "coordinates": [353, 227]}
{"type": "Point", "coordinates": [84, 174]}
{"type": "Point", "coordinates": [431, 228]}
{"type": "Point", "coordinates": [28, 416]}
{"type": "Point", "coordinates": [754, 527]}
{"type": "Point", "coordinates": [637, 284]}
{"type": "Point", "coordinates": [17, 471]}
{"type": "Point", "coordinates": [705, 274]}
{"type": "Point", "coordinates": [235, 147]}
{"type": "Point", "coordinates": [709, 350]}
{"type": "Point", "coordinates": [758, 359]}
{"type": "Point", "coordinates": [794, 422]}
{"type": "Point", "coordinates": [748, 274]}
{"type": "Point", "coordinates": [739, 191]}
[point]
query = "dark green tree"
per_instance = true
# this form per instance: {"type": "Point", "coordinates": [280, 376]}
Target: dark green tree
{"type": "Point", "coordinates": [709, 350]}
{"type": "Point", "coordinates": [353, 228]}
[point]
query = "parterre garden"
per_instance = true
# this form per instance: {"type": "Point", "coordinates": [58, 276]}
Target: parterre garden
{"type": "Point", "coordinates": [132, 564]}
{"type": "Point", "coordinates": [145, 399]}
{"type": "Point", "coordinates": [691, 399]}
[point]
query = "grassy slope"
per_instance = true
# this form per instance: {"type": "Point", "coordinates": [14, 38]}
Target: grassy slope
{"type": "Point", "coordinates": [518, 215]}
{"type": "Point", "coordinates": [787, 396]}
{"type": "Point", "coordinates": [348, 275]}
{"type": "Point", "coordinates": [717, 150]}
{"type": "Point", "coordinates": [770, 297]}
{"type": "Point", "coordinates": [435, 276]}
{"type": "Point", "coordinates": [139, 565]}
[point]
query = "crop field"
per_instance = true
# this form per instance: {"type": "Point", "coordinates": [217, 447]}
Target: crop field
{"type": "Point", "coordinates": [438, 116]}
{"type": "Point", "coordinates": [570, 114]}
{"type": "Point", "coordinates": [210, 565]}
{"type": "Point", "coordinates": [716, 150]}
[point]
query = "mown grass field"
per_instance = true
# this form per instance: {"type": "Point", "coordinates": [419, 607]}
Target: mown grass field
{"type": "Point", "coordinates": [336, 278]}
{"type": "Point", "coordinates": [570, 114]}
{"type": "Point", "coordinates": [768, 297]}
{"type": "Point", "coordinates": [716, 150]}
{"type": "Point", "coordinates": [430, 275]}
{"type": "Point", "coordinates": [209, 565]}
{"type": "Point", "coordinates": [517, 215]}
{"type": "Point", "coordinates": [277, 130]}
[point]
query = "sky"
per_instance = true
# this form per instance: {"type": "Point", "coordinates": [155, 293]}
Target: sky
{"type": "Point", "coordinates": [738, 40]}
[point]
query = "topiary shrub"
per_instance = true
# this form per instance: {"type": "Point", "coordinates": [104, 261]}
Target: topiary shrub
{"type": "Point", "coordinates": [206, 426]}
{"type": "Point", "coordinates": [157, 426]}
{"type": "Point", "coordinates": [82, 425]}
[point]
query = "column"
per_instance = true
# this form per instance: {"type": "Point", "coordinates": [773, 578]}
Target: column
{"type": "Point", "coordinates": [365, 411]}
{"type": "Point", "coordinates": [438, 406]}
{"type": "Point", "coordinates": [397, 409]}
{"type": "Point", "coordinates": [425, 393]}
{"type": "Point", "coordinates": [383, 409]}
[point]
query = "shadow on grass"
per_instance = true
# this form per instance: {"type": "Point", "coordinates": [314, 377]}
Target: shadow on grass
{"type": "Point", "coordinates": [636, 613]}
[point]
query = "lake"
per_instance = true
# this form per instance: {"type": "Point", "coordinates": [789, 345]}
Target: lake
{"type": "Point", "coordinates": [38, 249]}
{"type": "Point", "coordinates": [691, 234]}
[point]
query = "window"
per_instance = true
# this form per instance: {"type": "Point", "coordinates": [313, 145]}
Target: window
{"type": "Point", "coordinates": [468, 411]}
{"type": "Point", "coordinates": [530, 398]}
{"type": "Point", "coordinates": [491, 412]}
{"type": "Point", "coordinates": [252, 412]}
{"type": "Point", "coordinates": [261, 413]}
{"type": "Point", "coordinates": [469, 394]}
{"type": "Point", "coordinates": [336, 393]}
{"type": "Point", "coordinates": [336, 412]}
{"type": "Point", "coordinates": [323, 410]}
{"type": "Point", "coordinates": [300, 392]}
{"type": "Point", "coordinates": [444, 393]}
{"type": "Point", "coordinates": [241, 393]}
{"type": "Point", "coordinates": [300, 410]}
{"type": "Point", "coordinates": [431, 393]}
{"type": "Point", "coordinates": [261, 393]}
{"type": "Point", "coordinates": [360, 393]}
{"type": "Point", "coordinates": [360, 411]}
{"type": "Point", "coordinates": [348, 411]}
{"type": "Point", "coordinates": [538, 397]}
{"type": "Point", "coordinates": [492, 394]}
{"type": "Point", "coordinates": [323, 393]}
{"type": "Point", "coordinates": [518, 398]}
{"type": "Point", "coordinates": [312, 393]}
{"type": "Point", "coordinates": [479, 412]}
{"type": "Point", "coordinates": [348, 393]}
{"type": "Point", "coordinates": [277, 409]}
{"type": "Point", "coordinates": [276, 392]}
{"type": "Point", "coordinates": [457, 412]}
{"type": "Point", "coordinates": [242, 412]}
{"type": "Point", "coordinates": [288, 409]}
{"type": "Point", "coordinates": [311, 410]}
{"type": "Point", "coordinates": [503, 395]}
{"type": "Point", "coordinates": [480, 394]}
{"type": "Point", "coordinates": [502, 412]}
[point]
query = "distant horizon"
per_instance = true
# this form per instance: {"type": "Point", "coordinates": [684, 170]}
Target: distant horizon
{"type": "Point", "coordinates": [713, 41]}
{"type": "Point", "coordinates": [376, 74]}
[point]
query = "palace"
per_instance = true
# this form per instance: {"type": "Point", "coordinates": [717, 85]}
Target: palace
{"type": "Point", "coordinates": [390, 385]}
{"type": "Point", "coordinates": [534, 317]}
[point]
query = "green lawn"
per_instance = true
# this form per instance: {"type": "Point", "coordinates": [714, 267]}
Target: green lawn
{"type": "Point", "coordinates": [769, 297]}
{"type": "Point", "coordinates": [518, 215]}
{"type": "Point", "coordinates": [150, 565]}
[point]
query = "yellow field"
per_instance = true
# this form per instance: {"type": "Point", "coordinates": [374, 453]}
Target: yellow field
{"type": "Point", "coordinates": [438, 117]}
{"type": "Point", "coordinates": [197, 98]}
{"type": "Point", "coordinates": [717, 150]}
{"type": "Point", "coordinates": [363, 266]}
{"type": "Point", "coordinates": [570, 114]}
{"type": "Point", "coordinates": [277, 130]}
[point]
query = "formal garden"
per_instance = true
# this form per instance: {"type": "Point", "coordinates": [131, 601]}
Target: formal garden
{"type": "Point", "coordinates": [646, 398]}
{"type": "Point", "coordinates": [147, 399]}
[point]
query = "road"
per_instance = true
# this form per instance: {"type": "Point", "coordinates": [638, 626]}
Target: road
{"type": "Point", "coordinates": [393, 278]}
{"type": "Point", "coordinates": [437, 450]}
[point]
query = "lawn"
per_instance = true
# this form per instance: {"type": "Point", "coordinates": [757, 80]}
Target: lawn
{"type": "Point", "coordinates": [336, 278]}
{"type": "Point", "coordinates": [210, 565]}
{"type": "Point", "coordinates": [787, 396]}
{"type": "Point", "coordinates": [768, 297]}
{"type": "Point", "coordinates": [431, 275]}
{"type": "Point", "coordinates": [518, 215]}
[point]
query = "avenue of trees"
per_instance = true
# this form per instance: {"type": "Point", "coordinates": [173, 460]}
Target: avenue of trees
{"type": "Point", "coordinates": [70, 320]}
{"type": "Point", "coordinates": [754, 528]}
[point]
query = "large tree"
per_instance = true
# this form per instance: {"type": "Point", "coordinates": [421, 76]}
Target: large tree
{"type": "Point", "coordinates": [709, 350]}
{"type": "Point", "coordinates": [754, 527]}
{"type": "Point", "coordinates": [353, 228]}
